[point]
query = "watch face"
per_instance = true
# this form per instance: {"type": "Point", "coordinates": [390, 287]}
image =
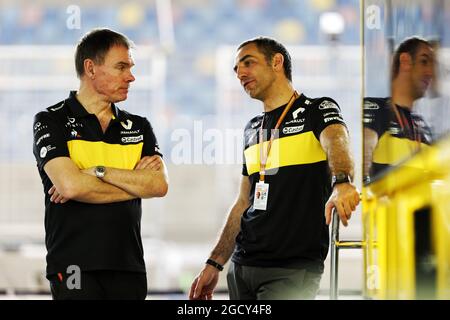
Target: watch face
{"type": "Point", "coordinates": [100, 171]}
{"type": "Point", "coordinates": [341, 176]}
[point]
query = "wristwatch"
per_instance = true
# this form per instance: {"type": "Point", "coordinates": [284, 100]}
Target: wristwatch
{"type": "Point", "coordinates": [340, 178]}
{"type": "Point", "coordinates": [100, 171]}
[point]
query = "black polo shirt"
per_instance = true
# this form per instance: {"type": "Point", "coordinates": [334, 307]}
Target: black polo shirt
{"type": "Point", "coordinates": [92, 236]}
{"type": "Point", "coordinates": [395, 144]}
{"type": "Point", "coordinates": [292, 231]}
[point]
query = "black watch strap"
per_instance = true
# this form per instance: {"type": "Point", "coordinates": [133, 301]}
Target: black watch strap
{"type": "Point", "coordinates": [340, 178]}
{"type": "Point", "coordinates": [215, 264]}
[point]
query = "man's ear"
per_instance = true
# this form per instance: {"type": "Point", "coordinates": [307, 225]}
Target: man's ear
{"type": "Point", "coordinates": [405, 61]}
{"type": "Point", "coordinates": [89, 68]}
{"type": "Point", "coordinates": [277, 62]}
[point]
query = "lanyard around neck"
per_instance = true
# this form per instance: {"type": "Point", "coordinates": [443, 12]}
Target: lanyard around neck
{"type": "Point", "coordinates": [265, 155]}
{"type": "Point", "coordinates": [415, 131]}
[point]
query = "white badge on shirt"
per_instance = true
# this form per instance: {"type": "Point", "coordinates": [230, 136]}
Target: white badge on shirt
{"type": "Point", "coordinates": [261, 196]}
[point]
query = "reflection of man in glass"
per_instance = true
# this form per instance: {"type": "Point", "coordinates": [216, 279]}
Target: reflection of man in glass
{"type": "Point", "coordinates": [392, 131]}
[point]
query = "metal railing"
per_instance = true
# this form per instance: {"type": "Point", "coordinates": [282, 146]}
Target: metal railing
{"type": "Point", "coordinates": [336, 245]}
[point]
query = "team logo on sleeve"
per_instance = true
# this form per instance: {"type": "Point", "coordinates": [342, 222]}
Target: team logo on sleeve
{"type": "Point", "coordinates": [45, 136]}
{"type": "Point", "coordinates": [38, 127]}
{"type": "Point", "coordinates": [335, 113]}
{"type": "Point", "coordinates": [368, 120]}
{"type": "Point", "coordinates": [43, 152]}
{"type": "Point", "coordinates": [369, 105]}
{"type": "Point", "coordinates": [328, 105]}
{"type": "Point", "coordinates": [332, 119]}
{"type": "Point", "coordinates": [57, 108]}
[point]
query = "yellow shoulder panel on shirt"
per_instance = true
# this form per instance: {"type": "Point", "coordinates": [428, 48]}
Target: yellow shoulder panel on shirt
{"type": "Point", "coordinates": [287, 151]}
{"type": "Point", "coordinates": [88, 154]}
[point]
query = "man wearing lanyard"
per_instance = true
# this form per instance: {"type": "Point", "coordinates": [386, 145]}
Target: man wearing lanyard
{"type": "Point", "coordinates": [296, 157]}
{"type": "Point", "coordinates": [392, 132]}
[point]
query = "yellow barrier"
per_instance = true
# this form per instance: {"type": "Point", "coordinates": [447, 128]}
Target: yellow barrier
{"type": "Point", "coordinates": [406, 220]}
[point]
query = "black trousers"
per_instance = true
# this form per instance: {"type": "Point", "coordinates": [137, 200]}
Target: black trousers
{"type": "Point", "coordinates": [258, 283]}
{"type": "Point", "coordinates": [100, 285]}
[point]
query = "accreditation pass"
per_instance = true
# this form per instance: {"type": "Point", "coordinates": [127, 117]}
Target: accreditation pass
{"type": "Point", "coordinates": [261, 195]}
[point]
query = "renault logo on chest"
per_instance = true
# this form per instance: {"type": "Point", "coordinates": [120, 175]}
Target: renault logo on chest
{"type": "Point", "coordinates": [128, 125]}
{"type": "Point", "coordinates": [296, 112]}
